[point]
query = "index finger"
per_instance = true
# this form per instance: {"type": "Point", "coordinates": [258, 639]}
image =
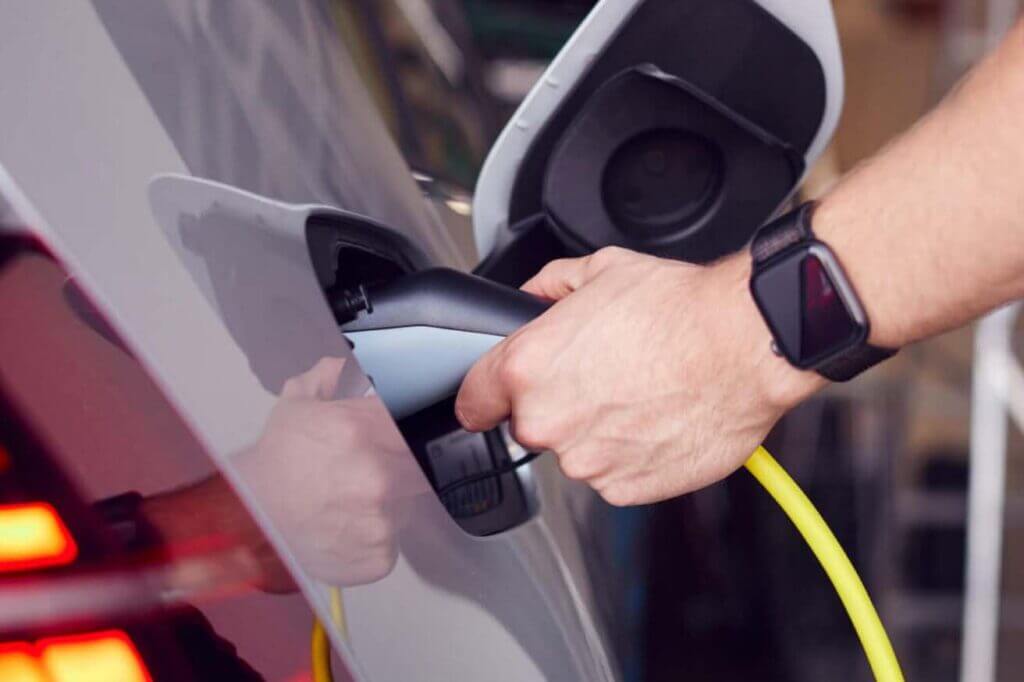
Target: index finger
{"type": "Point", "coordinates": [484, 400]}
{"type": "Point", "coordinates": [319, 382]}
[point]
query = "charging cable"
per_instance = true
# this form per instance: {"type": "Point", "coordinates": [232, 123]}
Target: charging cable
{"type": "Point", "coordinates": [320, 652]}
{"type": "Point", "coordinates": [816, 533]}
{"type": "Point", "coordinates": [446, 490]}
{"type": "Point", "coordinates": [320, 645]}
{"type": "Point", "coordinates": [833, 559]}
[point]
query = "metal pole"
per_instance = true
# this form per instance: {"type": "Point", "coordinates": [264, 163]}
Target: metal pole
{"type": "Point", "coordinates": [986, 494]}
{"type": "Point", "coordinates": [996, 372]}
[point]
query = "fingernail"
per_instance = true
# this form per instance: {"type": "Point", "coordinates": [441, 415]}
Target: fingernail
{"type": "Point", "coordinates": [461, 416]}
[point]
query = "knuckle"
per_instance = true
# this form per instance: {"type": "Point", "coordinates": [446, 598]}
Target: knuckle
{"type": "Point", "coordinates": [518, 366]}
{"type": "Point", "coordinates": [292, 386]}
{"type": "Point", "coordinates": [384, 563]}
{"type": "Point", "coordinates": [575, 467]}
{"type": "Point", "coordinates": [376, 490]}
{"type": "Point", "coordinates": [369, 568]}
{"type": "Point", "coordinates": [610, 252]}
{"type": "Point", "coordinates": [379, 532]}
{"type": "Point", "coordinates": [335, 411]}
{"type": "Point", "coordinates": [554, 267]}
{"type": "Point", "coordinates": [608, 255]}
{"type": "Point", "coordinates": [531, 434]}
{"type": "Point", "coordinates": [327, 364]}
{"type": "Point", "coordinates": [338, 433]}
{"type": "Point", "coordinates": [618, 495]}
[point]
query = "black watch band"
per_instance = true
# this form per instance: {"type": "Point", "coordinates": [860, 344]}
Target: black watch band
{"type": "Point", "coordinates": [790, 230]}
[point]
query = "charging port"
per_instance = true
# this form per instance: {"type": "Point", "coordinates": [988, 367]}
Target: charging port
{"type": "Point", "coordinates": [358, 262]}
{"type": "Point", "coordinates": [351, 253]}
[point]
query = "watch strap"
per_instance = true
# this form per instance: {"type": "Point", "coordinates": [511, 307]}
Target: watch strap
{"type": "Point", "coordinates": [790, 230]}
{"type": "Point", "coordinates": [854, 361]}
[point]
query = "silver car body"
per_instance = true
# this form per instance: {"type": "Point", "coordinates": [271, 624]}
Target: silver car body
{"type": "Point", "coordinates": [98, 100]}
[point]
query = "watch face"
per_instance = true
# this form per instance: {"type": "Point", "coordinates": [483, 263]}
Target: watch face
{"type": "Point", "coordinates": [809, 306]}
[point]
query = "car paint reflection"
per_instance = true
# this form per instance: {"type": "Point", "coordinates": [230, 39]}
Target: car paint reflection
{"type": "Point", "coordinates": [331, 458]}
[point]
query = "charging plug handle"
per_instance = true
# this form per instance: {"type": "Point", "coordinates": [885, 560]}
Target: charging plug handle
{"type": "Point", "coordinates": [417, 336]}
{"type": "Point", "coordinates": [447, 299]}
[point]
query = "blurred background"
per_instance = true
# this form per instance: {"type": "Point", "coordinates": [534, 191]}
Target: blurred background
{"type": "Point", "coordinates": [717, 585]}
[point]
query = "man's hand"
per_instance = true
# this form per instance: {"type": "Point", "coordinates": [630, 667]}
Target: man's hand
{"type": "Point", "coordinates": [648, 378]}
{"type": "Point", "coordinates": [335, 477]}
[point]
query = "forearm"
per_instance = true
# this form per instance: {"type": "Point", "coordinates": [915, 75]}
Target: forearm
{"type": "Point", "coordinates": [931, 230]}
{"type": "Point", "coordinates": [207, 520]}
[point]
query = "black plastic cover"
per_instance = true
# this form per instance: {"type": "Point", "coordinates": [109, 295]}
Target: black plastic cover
{"type": "Point", "coordinates": [682, 176]}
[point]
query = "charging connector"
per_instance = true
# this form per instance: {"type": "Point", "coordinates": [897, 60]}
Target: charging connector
{"type": "Point", "coordinates": [347, 304]}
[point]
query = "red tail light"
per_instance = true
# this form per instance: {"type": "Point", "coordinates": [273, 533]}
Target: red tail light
{"type": "Point", "coordinates": [18, 663]}
{"type": "Point", "coordinates": [107, 656]}
{"type": "Point", "coordinates": [33, 536]}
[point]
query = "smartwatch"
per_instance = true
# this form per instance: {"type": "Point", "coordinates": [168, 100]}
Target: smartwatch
{"type": "Point", "coordinates": [815, 317]}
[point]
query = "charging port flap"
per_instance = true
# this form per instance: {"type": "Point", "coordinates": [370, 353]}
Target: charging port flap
{"type": "Point", "coordinates": [684, 176]}
{"type": "Point", "coordinates": [675, 128]}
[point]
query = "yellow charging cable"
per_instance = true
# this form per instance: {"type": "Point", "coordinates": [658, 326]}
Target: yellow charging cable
{"type": "Point", "coordinates": [815, 532]}
{"type": "Point", "coordinates": [321, 645]}
{"type": "Point", "coordinates": [833, 559]}
{"type": "Point", "coordinates": [321, 654]}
